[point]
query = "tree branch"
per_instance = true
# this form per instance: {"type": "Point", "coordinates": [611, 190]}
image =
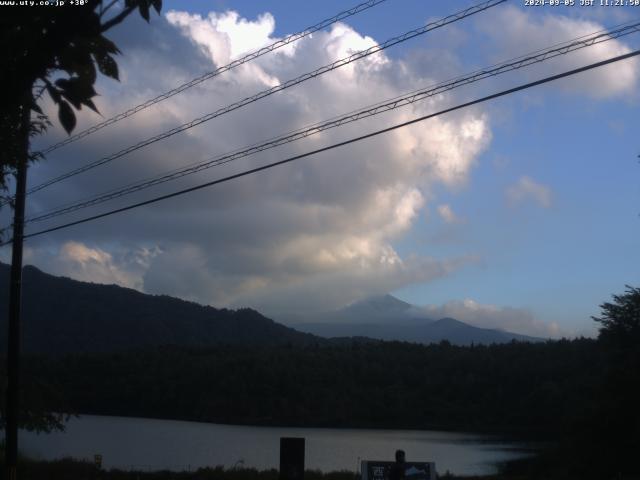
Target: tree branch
{"type": "Point", "coordinates": [117, 19]}
{"type": "Point", "coordinates": [105, 9]}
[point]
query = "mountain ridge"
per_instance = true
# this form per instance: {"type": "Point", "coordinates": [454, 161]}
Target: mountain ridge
{"type": "Point", "coordinates": [62, 315]}
{"type": "Point", "coordinates": [385, 317]}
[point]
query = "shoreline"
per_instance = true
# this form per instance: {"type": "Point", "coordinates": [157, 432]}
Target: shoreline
{"type": "Point", "coordinates": [497, 434]}
{"type": "Point", "coordinates": [171, 444]}
{"type": "Point", "coordinates": [77, 469]}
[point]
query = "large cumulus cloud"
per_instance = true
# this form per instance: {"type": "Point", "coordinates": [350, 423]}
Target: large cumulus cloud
{"type": "Point", "coordinates": [313, 234]}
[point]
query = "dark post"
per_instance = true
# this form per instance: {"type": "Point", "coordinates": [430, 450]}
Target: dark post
{"type": "Point", "coordinates": [15, 296]}
{"type": "Point", "coordinates": [291, 458]}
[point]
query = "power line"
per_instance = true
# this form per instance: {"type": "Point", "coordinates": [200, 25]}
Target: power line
{"type": "Point", "coordinates": [392, 104]}
{"type": "Point", "coordinates": [336, 145]}
{"type": "Point", "coordinates": [278, 88]}
{"type": "Point", "coordinates": [206, 76]}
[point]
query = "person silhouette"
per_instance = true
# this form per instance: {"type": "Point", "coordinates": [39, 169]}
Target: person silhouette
{"type": "Point", "coordinates": [396, 472]}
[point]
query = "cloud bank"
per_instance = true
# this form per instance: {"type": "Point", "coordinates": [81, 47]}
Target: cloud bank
{"type": "Point", "coordinates": [522, 32]}
{"type": "Point", "coordinates": [313, 234]}
{"type": "Point", "coordinates": [497, 317]}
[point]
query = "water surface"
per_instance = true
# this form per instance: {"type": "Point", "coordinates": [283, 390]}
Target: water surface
{"type": "Point", "coordinates": [149, 444]}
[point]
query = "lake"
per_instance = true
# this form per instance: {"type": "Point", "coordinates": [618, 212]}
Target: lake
{"type": "Point", "coordinates": [149, 444]}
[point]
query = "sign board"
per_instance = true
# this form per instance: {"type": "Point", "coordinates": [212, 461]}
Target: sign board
{"type": "Point", "coordinates": [374, 470]}
{"type": "Point", "coordinates": [291, 458]}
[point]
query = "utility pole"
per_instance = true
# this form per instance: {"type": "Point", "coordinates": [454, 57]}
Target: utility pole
{"type": "Point", "coordinates": [15, 298]}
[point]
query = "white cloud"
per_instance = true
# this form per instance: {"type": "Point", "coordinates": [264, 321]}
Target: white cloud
{"type": "Point", "coordinates": [77, 260]}
{"type": "Point", "coordinates": [448, 215]}
{"type": "Point", "coordinates": [522, 32]}
{"type": "Point", "coordinates": [224, 36]}
{"type": "Point", "coordinates": [527, 189]}
{"type": "Point", "coordinates": [515, 320]}
{"type": "Point", "coordinates": [320, 231]}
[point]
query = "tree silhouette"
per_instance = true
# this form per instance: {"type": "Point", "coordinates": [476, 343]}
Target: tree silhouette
{"type": "Point", "coordinates": [620, 320]}
{"type": "Point", "coordinates": [616, 430]}
{"type": "Point", "coordinates": [52, 48]}
{"type": "Point", "coordinates": [56, 50]}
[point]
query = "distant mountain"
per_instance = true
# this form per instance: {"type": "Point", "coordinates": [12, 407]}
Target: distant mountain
{"type": "Point", "coordinates": [61, 315]}
{"type": "Point", "coordinates": [379, 310]}
{"type": "Point", "coordinates": [388, 318]}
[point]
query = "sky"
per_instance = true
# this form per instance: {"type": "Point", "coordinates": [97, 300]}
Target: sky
{"type": "Point", "coordinates": [520, 213]}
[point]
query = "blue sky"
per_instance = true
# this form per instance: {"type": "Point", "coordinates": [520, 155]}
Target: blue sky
{"type": "Point", "coordinates": [528, 221]}
{"type": "Point", "coordinates": [564, 260]}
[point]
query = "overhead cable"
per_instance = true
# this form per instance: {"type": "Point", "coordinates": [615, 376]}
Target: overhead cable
{"type": "Point", "coordinates": [278, 88]}
{"type": "Point", "coordinates": [206, 76]}
{"type": "Point", "coordinates": [335, 145]}
{"type": "Point", "coordinates": [392, 104]}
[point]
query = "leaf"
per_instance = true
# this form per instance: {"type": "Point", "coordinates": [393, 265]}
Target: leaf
{"type": "Point", "coordinates": [83, 87]}
{"type": "Point", "coordinates": [36, 108]}
{"type": "Point", "coordinates": [89, 103]}
{"type": "Point", "coordinates": [103, 44]}
{"type": "Point", "coordinates": [66, 116]}
{"type": "Point", "coordinates": [88, 71]}
{"type": "Point", "coordinates": [107, 65]}
{"type": "Point", "coordinates": [63, 83]}
{"type": "Point", "coordinates": [144, 9]}
{"type": "Point", "coordinates": [75, 59]}
{"type": "Point", "coordinates": [77, 90]}
{"type": "Point", "coordinates": [53, 93]}
{"type": "Point", "coordinates": [157, 4]}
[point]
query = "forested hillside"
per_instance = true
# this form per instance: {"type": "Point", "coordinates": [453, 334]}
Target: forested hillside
{"type": "Point", "coordinates": [581, 395]}
{"type": "Point", "coordinates": [531, 389]}
{"type": "Point", "coordinates": [61, 315]}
